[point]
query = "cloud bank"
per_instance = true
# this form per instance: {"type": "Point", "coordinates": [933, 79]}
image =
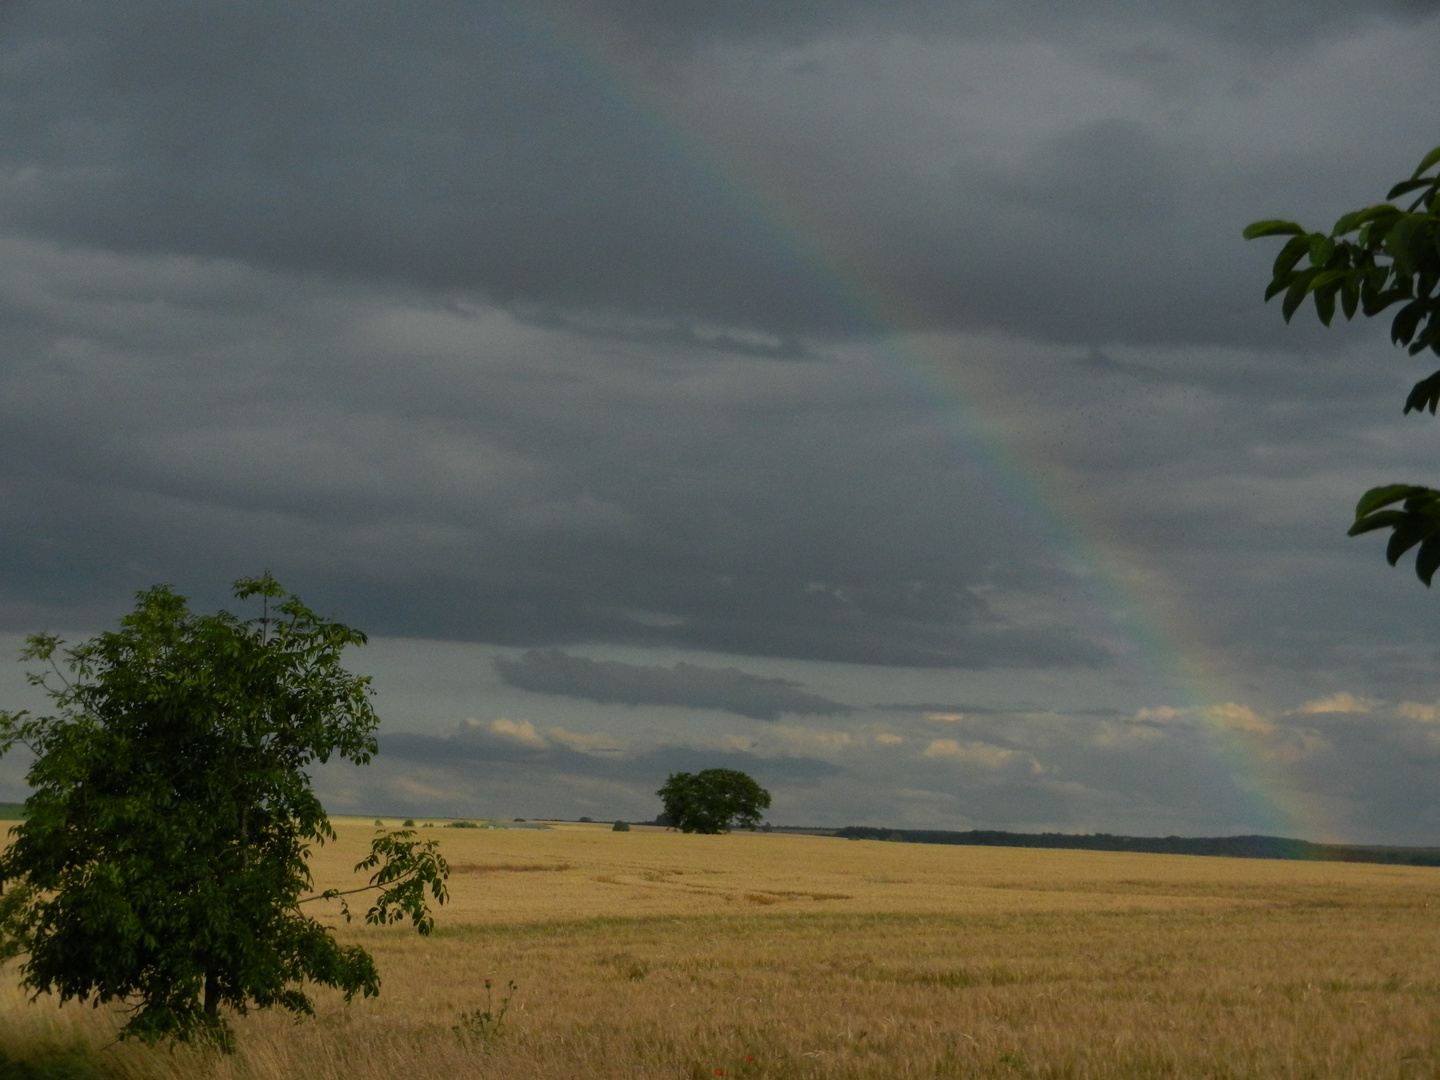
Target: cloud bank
{"type": "Point", "coordinates": [905, 352]}
{"type": "Point", "coordinates": [551, 671]}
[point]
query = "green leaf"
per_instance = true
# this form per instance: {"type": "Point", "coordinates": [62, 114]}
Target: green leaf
{"type": "Point", "coordinates": [1405, 536]}
{"type": "Point", "coordinates": [1407, 186]}
{"type": "Point", "coordinates": [1377, 497]}
{"type": "Point", "coordinates": [1257, 229]}
{"type": "Point", "coordinates": [1429, 337]}
{"type": "Point", "coordinates": [1402, 329]}
{"type": "Point", "coordinates": [1397, 245]}
{"type": "Point", "coordinates": [1348, 223]}
{"type": "Point", "coordinates": [1279, 285]}
{"type": "Point", "coordinates": [1428, 160]}
{"type": "Point", "coordinates": [1295, 296]}
{"type": "Point", "coordinates": [1381, 519]}
{"type": "Point", "coordinates": [1350, 295]}
{"type": "Point", "coordinates": [1293, 251]}
{"type": "Point", "coordinates": [1425, 394]}
{"type": "Point", "coordinates": [1330, 277]}
{"type": "Point", "coordinates": [1427, 559]}
{"type": "Point", "coordinates": [1380, 301]}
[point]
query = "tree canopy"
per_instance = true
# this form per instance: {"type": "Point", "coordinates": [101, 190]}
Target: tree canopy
{"type": "Point", "coordinates": [713, 801]}
{"type": "Point", "coordinates": [1370, 260]}
{"type": "Point", "coordinates": [162, 860]}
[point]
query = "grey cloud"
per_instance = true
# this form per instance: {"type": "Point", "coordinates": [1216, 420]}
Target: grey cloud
{"type": "Point", "coordinates": [1356, 778]}
{"type": "Point", "coordinates": [1107, 173]}
{"type": "Point", "coordinates": [1018, 709]}
{"type": "Point", "coordinates": [443, 472]}
{"type": "Point", "coordinates": [494, 481]}
{"type": "Point", "coordinates": [473, 330]}
{"type": "Point", "coordinates": [449, 151]}
{"type": "Point", "coordinates": [937, 707]}
{"type": "Point", "coordinates": [473, 150]}
{"type": "Point", "coordinates": [1245, 21]}
{"type": "Point", "coordinates": [468, 776]}
{"type": "Point", "coordinates": [551, 671]}
{"type": "Point", "coordinates": [477, 746]}
{"type": "Point", "coordinates": [1102, 363]}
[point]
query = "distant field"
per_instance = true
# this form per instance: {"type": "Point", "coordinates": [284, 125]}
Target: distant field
{"type": "Point", "coordinates": [651, 954]}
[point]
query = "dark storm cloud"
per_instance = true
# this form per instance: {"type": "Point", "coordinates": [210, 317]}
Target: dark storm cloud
{"type": "Point", "coordinates": [690, 686]}
{"type": "Point", "coordinates": [433, 472]}
{"type": "Point", "coordinates": [547, 325]}
{"type": "Point", "coordinates": [449, 149]}
{"type": "Point", "coordinates": [1244, 19]}
{"type": "Point", "coordinates": [518, 153]}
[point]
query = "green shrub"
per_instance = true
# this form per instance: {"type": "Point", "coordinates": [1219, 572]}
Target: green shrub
{"type": "Point", "coordinates": [409, 823]}
{"type": "Point", "coordinates": [461, 825]}
{"type": "Point", "coordinates": [620, 826]}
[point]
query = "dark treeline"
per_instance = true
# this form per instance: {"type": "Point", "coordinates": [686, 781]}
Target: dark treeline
{"type": "Point", "coordinates": [1243, 847]}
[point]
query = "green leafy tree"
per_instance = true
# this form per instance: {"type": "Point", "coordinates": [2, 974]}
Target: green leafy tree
{"type": "Point", "coordinates": [163, 858]}
{"type": "Point", "coordinates": [1371, 260]}
{"type": "Point", "coordinates": [713, 801]}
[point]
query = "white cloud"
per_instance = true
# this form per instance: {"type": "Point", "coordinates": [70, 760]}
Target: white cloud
{"type": "Point", "coordinates": [1162, 713]}
{"type": "Point", "coordinates": [1343, 702]}
{"type": "Point", "coordinates": [1240, 717]}
{"type": "Point", "coordinates": [792, 739]}
{"type": "Point", "coordinates": [973, 752]}
{"type": "Point", "coordinates": [593, 743]}
{"type": "Point", "coordinates": [522, 731]}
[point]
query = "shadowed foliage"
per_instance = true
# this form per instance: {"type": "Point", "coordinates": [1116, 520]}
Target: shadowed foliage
{"type": "Point", "coordinates": [713, 801]}
{"type": "Point", "coordinates": [163, 857]}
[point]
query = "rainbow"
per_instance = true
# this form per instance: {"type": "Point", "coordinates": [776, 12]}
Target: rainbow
{"type": "Point", "coordinates": [1125, 591]}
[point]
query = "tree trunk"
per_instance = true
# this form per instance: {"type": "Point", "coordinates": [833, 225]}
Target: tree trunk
{"type": "Point", "coordinates": [212, 995]}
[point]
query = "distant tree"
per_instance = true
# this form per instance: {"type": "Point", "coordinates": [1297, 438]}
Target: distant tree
{"type": "Point", "coordinates": [713, 801]}
{"type": "Point", "coordinates": [1370, 260]}
{"type": "Point", "coordinates": [163, 859]}
{"type": "Point", "coordinates": [620, 826]}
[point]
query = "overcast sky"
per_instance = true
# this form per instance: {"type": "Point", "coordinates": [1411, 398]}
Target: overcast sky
{"type": "Point", "coordinates": [875, 397]}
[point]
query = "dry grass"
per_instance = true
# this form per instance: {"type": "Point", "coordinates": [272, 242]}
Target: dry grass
{"type": "Point", "coordinates": [653, 954]}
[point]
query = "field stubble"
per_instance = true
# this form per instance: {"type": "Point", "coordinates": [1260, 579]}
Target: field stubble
{"type": "Point", "coordinates": [653, 954]}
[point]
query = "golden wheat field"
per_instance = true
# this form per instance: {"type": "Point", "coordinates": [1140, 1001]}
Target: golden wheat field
{"type": "Point", "coordinates": [656, 954]}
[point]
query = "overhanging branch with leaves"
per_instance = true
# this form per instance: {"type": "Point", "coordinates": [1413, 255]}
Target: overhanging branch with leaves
{"type": "Point", "coordinates": [1371, 260]}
